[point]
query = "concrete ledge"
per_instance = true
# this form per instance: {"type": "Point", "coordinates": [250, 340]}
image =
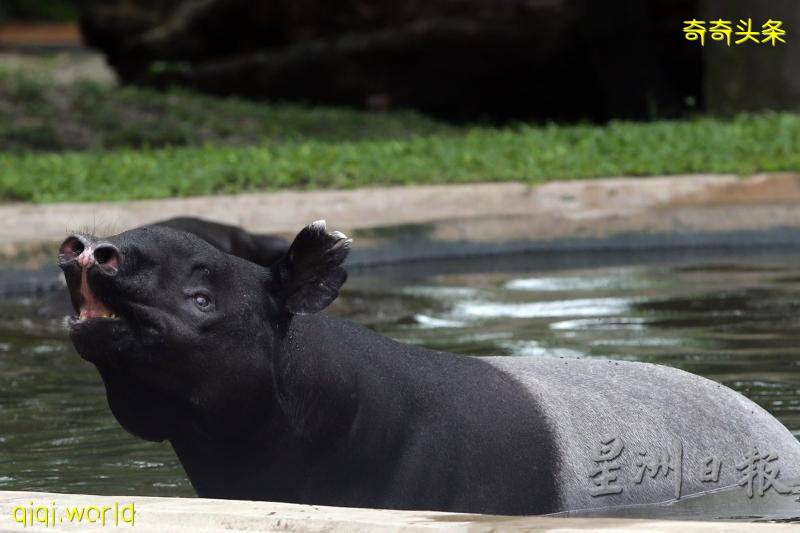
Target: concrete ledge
{"type": "Point", "coordinates": [197, 514]}
{"type": "Point", "coordinates": [586, 208]}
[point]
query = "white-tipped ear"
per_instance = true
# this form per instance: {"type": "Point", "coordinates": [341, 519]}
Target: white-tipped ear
{"type": "Point", "coordinates": [310, 274]}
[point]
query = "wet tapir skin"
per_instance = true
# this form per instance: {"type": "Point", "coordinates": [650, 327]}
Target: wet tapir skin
{"type": "Point", "coordinates": [264, 397]}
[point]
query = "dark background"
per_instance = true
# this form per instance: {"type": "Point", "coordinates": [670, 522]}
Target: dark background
{"type": "Point", "coordinates": [461, 60]}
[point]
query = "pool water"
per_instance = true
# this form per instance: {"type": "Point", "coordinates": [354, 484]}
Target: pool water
{"type": "Point", "coordinates": [728, 315]}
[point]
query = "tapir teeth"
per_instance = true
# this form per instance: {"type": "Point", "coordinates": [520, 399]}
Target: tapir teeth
{"type": "Point", "coordinates": [84, 316]}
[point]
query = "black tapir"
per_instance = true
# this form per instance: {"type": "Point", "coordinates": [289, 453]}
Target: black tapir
{"type": "Point", "coordinates": [263, 397]}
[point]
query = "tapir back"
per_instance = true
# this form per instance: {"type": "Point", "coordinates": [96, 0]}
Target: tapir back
{"type": "Point", "coordinates": [632, 433]}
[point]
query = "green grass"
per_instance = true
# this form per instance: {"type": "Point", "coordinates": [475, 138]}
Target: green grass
{"type": "Point", "coordinates": [745, 144]}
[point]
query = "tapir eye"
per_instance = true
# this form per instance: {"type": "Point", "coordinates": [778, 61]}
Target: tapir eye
{"type": "Point", "coordinates": [201, 300]}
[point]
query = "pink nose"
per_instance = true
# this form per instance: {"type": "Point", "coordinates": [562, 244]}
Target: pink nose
{"type": "Point", "coordinates": [86, 253]}
{"type": "Point", "coordinates": [86, 259]}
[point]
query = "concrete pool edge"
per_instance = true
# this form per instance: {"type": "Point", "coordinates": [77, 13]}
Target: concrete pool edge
{"type": "Point", "coordinates": [198, 514]}
{"type": "Point", "coordinates": [588, 210]}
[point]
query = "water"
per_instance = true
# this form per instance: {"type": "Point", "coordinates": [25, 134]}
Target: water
{"type": "Point", "coordinates": [731, 316]}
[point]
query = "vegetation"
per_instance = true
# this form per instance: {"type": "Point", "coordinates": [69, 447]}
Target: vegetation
{"type": "Point", "coordinates": [533, 154]}
{"type": "Point", "coordinates": [90, 141]}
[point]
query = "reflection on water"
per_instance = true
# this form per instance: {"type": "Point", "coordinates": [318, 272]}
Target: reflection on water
{"type": "Point", "coordinates": [733, 318]}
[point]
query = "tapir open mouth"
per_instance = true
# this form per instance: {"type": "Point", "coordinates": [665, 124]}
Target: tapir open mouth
{"type": "Point", "coordinates": [90, 305]}
{"type": "Point", "coordinates": [80, 257]}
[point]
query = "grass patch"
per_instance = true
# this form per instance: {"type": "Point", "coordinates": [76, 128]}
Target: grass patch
{"type": "Point", "coordinates": [745, 144]}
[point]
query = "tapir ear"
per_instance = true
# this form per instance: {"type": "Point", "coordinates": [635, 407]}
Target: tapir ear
{"type": "Point", "coordinates": [310, 275]}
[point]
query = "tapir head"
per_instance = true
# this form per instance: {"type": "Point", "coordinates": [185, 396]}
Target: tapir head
{"type": "Point", "coordinates": [183, 333]}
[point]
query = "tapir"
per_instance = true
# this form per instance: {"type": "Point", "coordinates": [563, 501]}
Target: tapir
{"type": "Point", "coordinates": [263, 396]}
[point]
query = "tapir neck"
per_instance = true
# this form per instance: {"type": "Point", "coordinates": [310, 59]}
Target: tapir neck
{"type": "Point", "coordinates": [369, 422]}
{"type": "Point", "coordinates": [326, 374]}
{"type": "Point", "coordinates": [243, 469]}
{"type": "Point", "coordinates": [331, 374]}
{"type": "Point", "coordinates": [315, 378]}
